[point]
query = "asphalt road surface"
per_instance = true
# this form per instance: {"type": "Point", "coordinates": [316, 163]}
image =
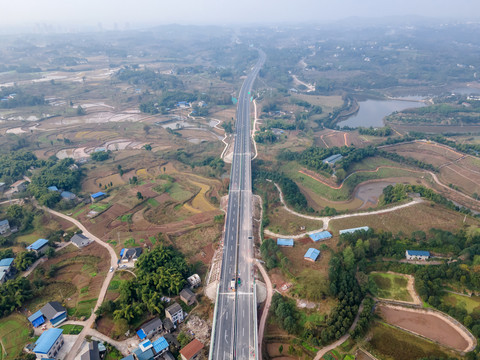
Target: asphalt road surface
{"type": "Point", "coordinates": [235, 323]}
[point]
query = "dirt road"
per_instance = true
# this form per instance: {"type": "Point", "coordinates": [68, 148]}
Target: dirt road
{"type": "Point", "coordinates": [326, 219]}
{"type": "Point", "coordinates": [113, 262]}
{"type": "Point", "coordinates": [266, 309]}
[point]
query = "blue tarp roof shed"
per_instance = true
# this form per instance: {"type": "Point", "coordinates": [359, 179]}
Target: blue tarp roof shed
{"type": "Point", "coordinates": [37, 319]}
{"type": "Point", "coordinates": [4, 222]}
{"type": "Point", "coordinates": [52, 188]}
{"type": "Point", "coordinates": [418, 253]}
{"type": "Point", "coordinates": [98, 194]}
{"type": "Point", "coordinates": [38, 244]}
{"type": "Point", "coordinates": [312, 254]}
{"type": "Point", "coordinates": [350, 231]}
{"type": "Point", "coordinates": [160, 344]}
{"type": "Point", "coordinates": [6, 262]}
{"type": "Point", "coordinates": [129, 357]}
{"type": "Point", "coordinates": [122, 252]}
{"type": "Point", "coordinates": [332, 159]}
{"type": "Point", "coordinates": [141, 334]}
{"type": "Point", "coordinates": [320, 236]}
{"type": "Point", "coordinates": [45, 342]}
{"type": "Point", "coordinates": [284, 242]}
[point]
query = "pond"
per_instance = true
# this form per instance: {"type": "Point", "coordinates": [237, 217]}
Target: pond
{"type": "Point", "coordinates": [372, 112]}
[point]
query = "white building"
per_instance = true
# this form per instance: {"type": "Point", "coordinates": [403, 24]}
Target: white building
{"type": "Point", "coordinates": [175, 313]}
{"type": "Point", "coordinates": [417, 255]}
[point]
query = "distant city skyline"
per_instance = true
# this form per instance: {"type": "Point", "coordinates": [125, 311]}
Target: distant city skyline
{"type": "Point", "coordinates": [109, 14]}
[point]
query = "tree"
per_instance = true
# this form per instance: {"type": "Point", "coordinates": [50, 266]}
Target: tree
{"type": "Point", "coordinates": [24, 259]}
{"type": "Point", "coordinates": [80, 111]}
{"type": "Point", "coordinates": [139, 195]}
{"type": "Point", "coordinates": [146, 128]}
{"type": "Point", "coordinates": [50, 252]}
{"type": "Point", "coordinates": [147, 147]}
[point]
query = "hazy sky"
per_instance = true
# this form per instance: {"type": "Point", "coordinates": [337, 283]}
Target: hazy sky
{"type": "Point", "coordinates": [223, 12]}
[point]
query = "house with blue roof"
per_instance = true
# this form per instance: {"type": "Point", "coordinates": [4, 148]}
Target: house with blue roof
{"type": "Point", "coordinates": [37, 319]}
{"type": "Point", "coordinates": [285, 242]}
{"type": "Point", "coordinates": [4, 227]}
{"type": "Point", "coordinates": [52, 188]}
{"type": "Point", "coordinates": [49, 344]}
{"type": "Point", "coordinates": [417, 255]}
{"type": "Point", "coordinates": [312, 254]}
{"type": "Point", "coordinates": [144, 351]}
{"type": "Point", "coordinates": [160, 346]}
{"type": "Point", "coordinates": [352, 230]}
{"type": "Point", "coordinates": [98, 196]}
{"type": "Point", "coordinates": [323, 235]}
{"type": "Point", "coordinates": [39, 246]}
{"type": "Point", "coordinates": [52, 311]}
{"type": "Point", "coordinates": [67, 195]}
{"type": "Point", "coordinates": [331, 160]}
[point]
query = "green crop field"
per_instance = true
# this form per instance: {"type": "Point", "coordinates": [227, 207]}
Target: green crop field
{"type": "Point", "coordinates": [14, 335]}
{"type": "Point", "coordinates": [391, 286]}
{"type": "Point", "coordinates": [71, 329]}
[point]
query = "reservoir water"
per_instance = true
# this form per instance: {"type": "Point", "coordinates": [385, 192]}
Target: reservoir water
{"type": "Point", "coordinates": [372, 112]}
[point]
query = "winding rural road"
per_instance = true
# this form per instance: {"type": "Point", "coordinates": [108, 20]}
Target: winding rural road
{"type": "Point", "coordinates": [113, 262]}
{"type": "Point", "coordinates": [326, 219]}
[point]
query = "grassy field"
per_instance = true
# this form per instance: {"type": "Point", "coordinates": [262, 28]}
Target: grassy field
{"type": "Point", "coordinates": [391, 286]}
{"type": "Point", "coordinates": [71, 329]}
{"type": "Point", "coordinates": [407, 220]}
{"type": "Point", "coordinates": [283, 222]}
{"type": "Point", "coordinates": [470, 304]}
{"type": "Point", "coordinates": [14, 335]}
{"type": "Point", "coordinates": [388, 342]}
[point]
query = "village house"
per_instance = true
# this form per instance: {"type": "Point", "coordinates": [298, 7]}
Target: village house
{"type": "Point", "coordinates": [52, 311]}
{"type": "Point", "coordinates": [80, 240]}
{"type": "Point", "coordinates": [39, 246]}
{"type": "Point", "coordinates": [150, 329]}
{"type": "Point", "coordinates": [98, 196]}
{"type": "Point", "coordinates": [49, 344]}
{"type": "Point", "coordinates": [4, 227]}
{"type": "Point", "coordinates": [131, 254]}
{"type": "Point", "coordinates": [6, 269]}
{"type": "Point", "coordinates": [187, 296]}
{"type": "Point", "coordinates": [417, 255]}
{"type": "Point", "coordinates": [175, 313]}
{"type": "Point", "coordinates": [192, 351]}
{"type": "Point", "coordinates": [194, 281]}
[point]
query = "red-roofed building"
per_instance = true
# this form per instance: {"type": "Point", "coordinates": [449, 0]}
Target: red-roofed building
{"type": "Point", "coordinates": [192, 351]}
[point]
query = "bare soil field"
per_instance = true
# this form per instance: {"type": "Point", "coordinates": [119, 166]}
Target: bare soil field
{"type": "Point", "coordinates": [427, 325]}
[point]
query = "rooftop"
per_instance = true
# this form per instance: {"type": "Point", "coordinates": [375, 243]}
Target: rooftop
{"type": "Point", "coordinates": [312, 254]}
{"type": "Point", "coordinates": [52, 188]}
{"type": "Point", "coordinates": [332, 159]}
{"type": "Point", "coordinates": [320, 236]}
{"type": "Point", "coordinates": [160, 344]}
{"type": "Point", "coordinates": [152, 325]}
{"type": "Point", "coordinates": [67, 195]}
{"type": "Point", "coordinates": [352, 230]}
{"type": "Point", "coordinates": [45, 342]}
{"type": "Point", "coordinates": [173, 309]}
{"type": "Point", "coordinates": [6, 262]}
{"type": "Point", "coordinates": [4, 222]}
{"type": "Point", "coordinates": [191, 349]}
{"type": "Point", "coordinates": [284, 242]}
{"type": "Point", "coordinates": [187, 294]}
{"type": "Point", "coordinates": [418, 253]}
{"type": "Point", "coordinates": [52, 309]}
{"type": "Point", "coordinates": [38, 244]}
{"type": "Point", "coordinates": [98, 194]}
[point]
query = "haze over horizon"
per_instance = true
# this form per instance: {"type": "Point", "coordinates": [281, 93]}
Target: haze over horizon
{"type": "Point", "coordinates": [110, 14]}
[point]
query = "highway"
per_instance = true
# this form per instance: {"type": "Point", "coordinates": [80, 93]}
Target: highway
{"type": "Point", "coordinates": [235, 323]}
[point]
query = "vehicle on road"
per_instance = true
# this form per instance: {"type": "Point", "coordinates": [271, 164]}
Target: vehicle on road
{"type": "Point", "coordinates": [111, 269]}
{"type": "Point", "coordinates": [232, 285]}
